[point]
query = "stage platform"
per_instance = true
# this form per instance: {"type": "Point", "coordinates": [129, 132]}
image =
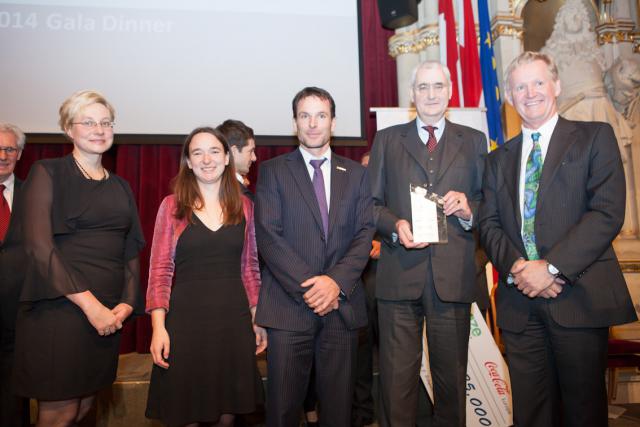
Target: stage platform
{"type": "Point", "coordinates": [124, 403]}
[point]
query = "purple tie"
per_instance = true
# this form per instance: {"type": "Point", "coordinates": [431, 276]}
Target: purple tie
{"type": "Point", "coordinates": [318, 188]}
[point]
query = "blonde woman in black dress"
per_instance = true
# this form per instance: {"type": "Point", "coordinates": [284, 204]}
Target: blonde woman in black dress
{"type": "Point", "coordinates": [82, 236]}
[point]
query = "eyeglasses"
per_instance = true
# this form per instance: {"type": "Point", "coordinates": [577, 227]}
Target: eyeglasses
{"type": "Point", "coordinates": [9, 151]}
{"type": "Point", "coordinates": [425, 87]}
{"type": "Point", "coordinates": [90, 124]}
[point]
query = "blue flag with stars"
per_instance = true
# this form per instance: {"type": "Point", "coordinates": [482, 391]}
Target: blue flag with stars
{"type": "Point", "coordinates": [489, 77]}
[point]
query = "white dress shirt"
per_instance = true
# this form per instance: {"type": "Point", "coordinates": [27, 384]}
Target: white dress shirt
{"type": "Point", "coordinates": [424, 135]}
{"type": "Point", "coordinates": [325, 168]}
{"type": "Point", "coordinates": [240, 178]}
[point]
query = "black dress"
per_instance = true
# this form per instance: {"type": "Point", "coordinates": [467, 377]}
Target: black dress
{"type": "Point", "coordinates": [212, 365]}
{"type": "Point", "coordinates": [80, 235]}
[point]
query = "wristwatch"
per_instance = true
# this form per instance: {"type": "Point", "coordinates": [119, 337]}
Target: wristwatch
{"type": "Point", "coordinates": [553, 270]}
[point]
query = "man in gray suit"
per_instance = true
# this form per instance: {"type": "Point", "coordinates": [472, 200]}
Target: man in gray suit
{"type": "Point", "coordinates": [554, 199]}
{"type": "Point", "coordinates": [14, 410]}
{"type": "Point", "coordinates": [416, 281]}
{"type": "Point", "coordinates": [314, 228]}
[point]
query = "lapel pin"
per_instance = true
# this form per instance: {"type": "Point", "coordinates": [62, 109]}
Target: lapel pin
{"type": "Point", "coordinates": [340, 168]}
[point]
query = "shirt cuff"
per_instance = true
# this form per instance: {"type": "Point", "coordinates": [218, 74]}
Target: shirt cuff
{"type": "Point", "coordinates": [466, 224]}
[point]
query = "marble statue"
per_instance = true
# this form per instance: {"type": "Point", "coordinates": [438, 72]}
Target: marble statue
{"type": "Point", "coordinates": [573, 46]}
{"type": "Point", "coordinates": [623, 84]}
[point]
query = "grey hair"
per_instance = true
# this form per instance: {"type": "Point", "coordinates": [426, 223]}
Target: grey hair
{"type": "Point", "coordinates": [430, 64]}
{"type": "Point", "coordinates": [16, 131]}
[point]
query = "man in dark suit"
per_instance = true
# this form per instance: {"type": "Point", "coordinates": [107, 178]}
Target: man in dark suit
{"type": "Point", "coordinates": [14, 411]}
{"type": "Point", "coordinates": [417, 281]}
{"type": "Point", "coordinates": [314, 228]}
{"type": "Point", "coordinates": [554, 200]}
{"type": "Point", "coordinates": [243, 150]}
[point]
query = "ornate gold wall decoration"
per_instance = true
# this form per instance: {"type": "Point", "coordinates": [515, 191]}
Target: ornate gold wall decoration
{"type": "Point", "coordinates": [508, 26]}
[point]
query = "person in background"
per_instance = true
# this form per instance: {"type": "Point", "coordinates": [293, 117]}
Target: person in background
{"type": "Point", "coordinates": [242, 143]}
{"type": "Point", "coordinates": [82, 237]}
{"type": "Point", "coordinates": [363, 411]}
{"type": "Point", "coordinates": [14, 410]}
{"type": "Point", "coordinates": [204, 339]}
{"type": "Point", "coordinates": [243, 149]}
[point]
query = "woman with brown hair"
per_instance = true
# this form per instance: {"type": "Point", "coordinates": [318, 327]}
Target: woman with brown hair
{"type": "Point", "coordinates": [82, 237]}
{"type": "Point", "coordinates": [204, 341]}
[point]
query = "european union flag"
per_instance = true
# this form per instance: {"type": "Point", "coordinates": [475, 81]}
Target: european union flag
{"type": "Point", "coordinates": [489, 77]}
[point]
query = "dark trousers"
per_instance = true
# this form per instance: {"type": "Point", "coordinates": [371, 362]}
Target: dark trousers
{"type": "Point", "coordinates": [310, 403]}
{"type": "Point", "coordinates": [289, 360]}
{"type": "Point", "coordinates": [401, 324]}
{"type": "Point", "coordinates": [557, 373]}
{"type": "Point", "coordinates": [363, 412]}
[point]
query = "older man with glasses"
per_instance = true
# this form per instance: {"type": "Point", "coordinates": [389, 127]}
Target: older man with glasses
{"type": "Point", "coordinates": [14, 411]}
{"type": "Point", "coordinates": [417, 281]}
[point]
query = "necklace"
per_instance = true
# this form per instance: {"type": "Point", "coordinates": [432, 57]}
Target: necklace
{"type": "Point", "coordinates": [86, 174]}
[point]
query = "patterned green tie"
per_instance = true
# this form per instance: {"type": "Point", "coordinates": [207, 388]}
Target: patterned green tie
{"type": "Point", "coordinates": [531, 180]}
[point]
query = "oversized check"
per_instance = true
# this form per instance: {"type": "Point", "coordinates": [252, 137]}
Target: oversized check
{"type": "Point", "coordinates": [488, 385]}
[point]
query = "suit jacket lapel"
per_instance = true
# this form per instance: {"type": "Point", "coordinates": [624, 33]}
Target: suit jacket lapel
{"type": "Point", "coordinates": [413, 145]}
{"type": "Point", "coordinates": [560, 141]}
{"type": "Point", "coordinates": [339, 181]}
{"type": "Point", "coordinates": [453, 141]}
{"type": "Point", "coordinates": [298, 169]}
{"type": "Point", "coordinates": [510, 167]}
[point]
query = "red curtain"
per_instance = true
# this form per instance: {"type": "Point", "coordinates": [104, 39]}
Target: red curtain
{"type": "Point", "coordinates": [149, 168]}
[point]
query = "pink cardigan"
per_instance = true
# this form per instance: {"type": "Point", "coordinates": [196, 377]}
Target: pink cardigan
{"type": "Point", "coordinates": [163, 251]}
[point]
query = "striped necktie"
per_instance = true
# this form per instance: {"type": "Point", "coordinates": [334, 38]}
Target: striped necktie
{"type": "Point", "coordinates": [5, 213]}
{"type": "Point", "coordinates": [321, 196]}
{"type": "Point", "coordinates": [432, 142]}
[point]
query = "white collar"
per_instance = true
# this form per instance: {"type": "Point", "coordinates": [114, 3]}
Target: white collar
{"type": "Point", "coordinates": [439, 125]}
{"type": "Point", "coordinates": [9, 182]}
{"type": "Point", "coordinates": [546, 129]}
{"type": "Point", "coordinates": [307, 156]}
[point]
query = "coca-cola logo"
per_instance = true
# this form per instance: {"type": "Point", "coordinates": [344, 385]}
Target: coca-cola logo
{"type": "Point", "coordinates": [501, 386]}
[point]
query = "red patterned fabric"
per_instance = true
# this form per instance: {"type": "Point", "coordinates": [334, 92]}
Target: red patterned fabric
{"type": "Point", "coordinates": [5, 213]}
{"type": "Point", "coordinates": [431, 142]}
{"type": "Point", "coordinates": [163, 250]}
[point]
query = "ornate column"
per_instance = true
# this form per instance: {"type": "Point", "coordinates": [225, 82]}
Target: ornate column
{"type": "Point", "coordinates": [615, 30]}
{"type": "Point", "coordinates": [413, 44]}
{"type": "Point", "coordinates": [404, 47]}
